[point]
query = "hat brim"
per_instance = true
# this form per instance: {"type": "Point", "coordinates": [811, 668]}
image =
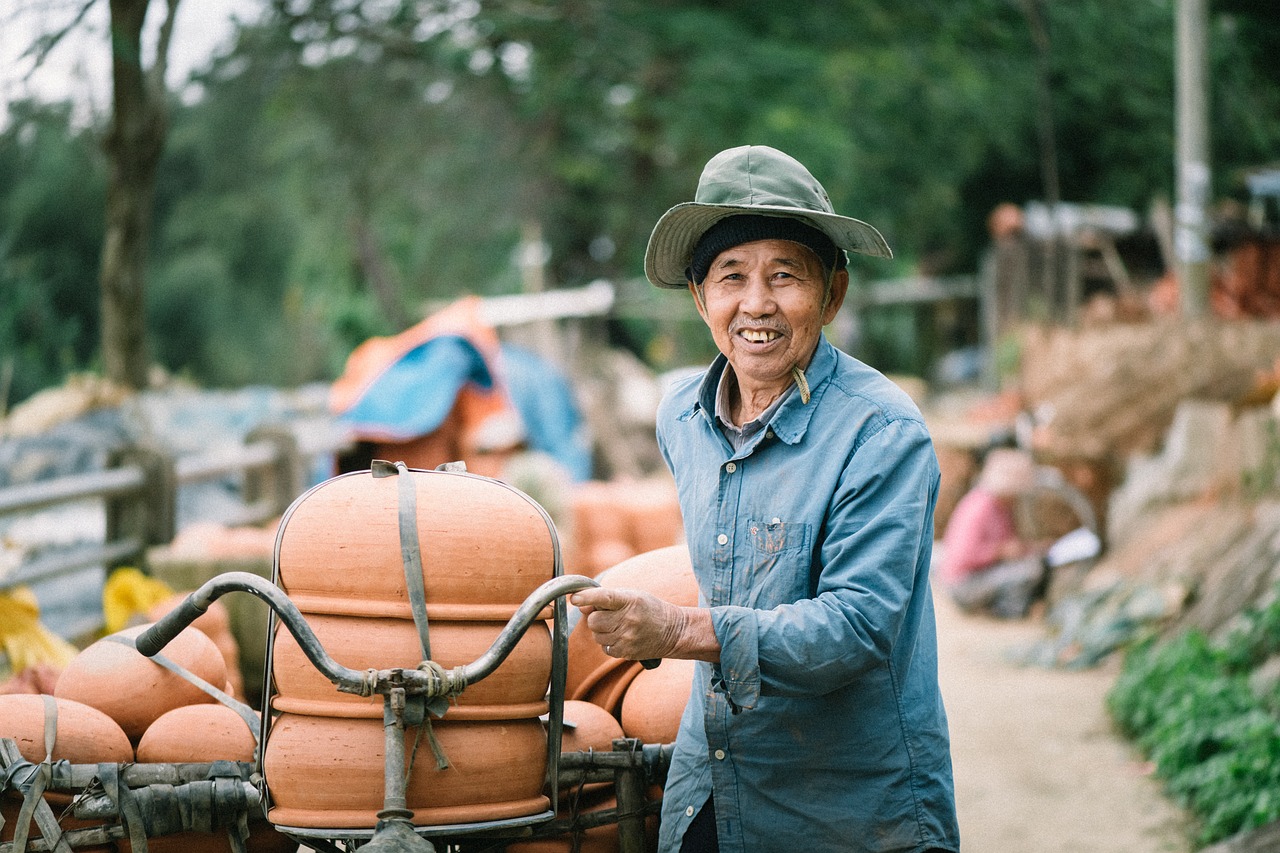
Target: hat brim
{"type": "Point", "coordinates": [673, 239]}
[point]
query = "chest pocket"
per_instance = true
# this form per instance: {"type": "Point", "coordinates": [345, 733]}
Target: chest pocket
{"type": "Point", "coordinates": [779, 557]}
{"type": "Point", "coordinates": [778, 537]}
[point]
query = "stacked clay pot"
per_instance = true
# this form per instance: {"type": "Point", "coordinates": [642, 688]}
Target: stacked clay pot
{"type": "Point", "coordinates": [134, 690]}
{"type": "Point", "coordinates": [592, 675]}
{"type": "Point", "coordinates": [485, 547]}
{"type": "Point", "coordinates": [214, 623]}
{"type": "Point", "coordinates": [199, 734]}
{"type": "Point", "coordinates": [615, 520]}
{"type": "Point", "coordinates": [83, 735]}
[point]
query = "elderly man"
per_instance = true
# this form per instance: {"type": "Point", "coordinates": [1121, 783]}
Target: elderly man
{"type": "Point", "coordinates": [807, 482]}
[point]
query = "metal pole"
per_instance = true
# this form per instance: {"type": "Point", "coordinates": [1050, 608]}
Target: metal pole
{"type": "Point", "coordinates": [1191, 225]}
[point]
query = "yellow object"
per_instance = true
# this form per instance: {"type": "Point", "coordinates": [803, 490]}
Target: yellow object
{"type": "Point", "coordinates": [128, 593]}
{"type": "Point", "coordinates": [23, 639]}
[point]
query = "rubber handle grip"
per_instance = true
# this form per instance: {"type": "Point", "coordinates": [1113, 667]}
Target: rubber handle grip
{"type": "Point", "coordinates": [651, 663]}
{"type": "Point", "coordinates": [159, 635]}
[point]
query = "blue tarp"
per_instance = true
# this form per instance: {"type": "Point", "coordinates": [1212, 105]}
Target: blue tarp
{"type": "Point", "coordinates": [413, 396]}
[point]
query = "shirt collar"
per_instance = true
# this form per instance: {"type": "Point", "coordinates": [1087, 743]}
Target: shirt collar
{"type": "Point", "coordinates": [791, 419]}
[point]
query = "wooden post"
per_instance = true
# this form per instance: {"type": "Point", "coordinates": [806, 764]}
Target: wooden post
{"type": "Point", "coordinates": [151, 515]}
{"type": "Point", "coordinates": [629, 788]}
{"type": "Point", "coordinates": [283, 481]}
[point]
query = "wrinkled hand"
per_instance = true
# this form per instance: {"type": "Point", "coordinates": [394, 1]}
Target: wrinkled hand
{"type": "Point", "coordinates": [638, 625]}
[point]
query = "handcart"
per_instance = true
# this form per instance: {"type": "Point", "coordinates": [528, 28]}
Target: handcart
{"type": "Point", "coordinates": [416, 810]}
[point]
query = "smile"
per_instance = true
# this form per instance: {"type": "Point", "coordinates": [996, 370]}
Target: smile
{"type": "Point", "coordinates": [760, 336]}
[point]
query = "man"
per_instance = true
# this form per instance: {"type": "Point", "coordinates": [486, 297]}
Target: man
{"type": "Point", "coordinates": [807, 483]}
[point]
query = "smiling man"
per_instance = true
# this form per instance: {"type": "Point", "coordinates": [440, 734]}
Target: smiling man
{"type": "Point", "coordinates": [807, 482]}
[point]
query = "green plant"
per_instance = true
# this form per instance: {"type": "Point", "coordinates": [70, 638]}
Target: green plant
{"type": "Point", "coordinates": [1188, 705]}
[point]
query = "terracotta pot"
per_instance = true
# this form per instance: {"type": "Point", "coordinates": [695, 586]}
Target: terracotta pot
{"type": "Point", "coordinates": [195, 734]}
{"type": "Point", "coordinates": [516, 689]}
{"type": "Point", "coordinates": [593, 728]}
{"type": "Point", "coordinates": [485, 547]}
{"type": "Point", "coordinates": [609, 690]}
{"type": "Point", "coordinates": [654, 510]}
{"type": "Point", "coordinates": [134, 690]}
{"type": "Point", "coordinates": [84, 735]}
{"type": "Point", "coordinates": [655, 700]}
{"type": "Point", "coordinates": [214, 623]}
{"type": "Point", "coordinates": [327, 773]}
{"type": "Point", "coordinates": [665, 572]}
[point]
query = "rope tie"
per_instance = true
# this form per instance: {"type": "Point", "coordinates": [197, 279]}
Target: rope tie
{"type": "Point", "coordinates": [802, 383]}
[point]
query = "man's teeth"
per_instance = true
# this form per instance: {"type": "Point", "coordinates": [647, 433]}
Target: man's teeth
{"type": "Point", "coordinates": [759, 336]}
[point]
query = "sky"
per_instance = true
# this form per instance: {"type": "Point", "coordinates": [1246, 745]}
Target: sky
{"type": "Point", "coordinates": [79, 69]}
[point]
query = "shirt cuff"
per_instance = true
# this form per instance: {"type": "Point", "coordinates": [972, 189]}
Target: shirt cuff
{"type": "Point", "coordinates": [737, 631]}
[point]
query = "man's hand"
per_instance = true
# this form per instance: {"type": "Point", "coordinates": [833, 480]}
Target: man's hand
{"type": "Point", "coordinates": [638, 625]}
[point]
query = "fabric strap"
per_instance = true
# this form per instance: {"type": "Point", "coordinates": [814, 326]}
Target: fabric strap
{"type": "Point", "coordinates": [415, 585]}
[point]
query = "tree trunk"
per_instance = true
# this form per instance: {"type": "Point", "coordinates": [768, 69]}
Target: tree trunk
{"type": "Point", "coordinates": [133, 144]}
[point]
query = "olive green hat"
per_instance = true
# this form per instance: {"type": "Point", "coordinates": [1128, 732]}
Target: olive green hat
{"type": "Point", "coordinates": [750, 179]}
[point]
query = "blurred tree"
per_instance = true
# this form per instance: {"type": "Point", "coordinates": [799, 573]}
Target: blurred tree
{"type": "Point", "coordinates": [134, 143]}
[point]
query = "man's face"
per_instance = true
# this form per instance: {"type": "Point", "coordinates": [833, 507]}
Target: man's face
{"type": "Point", "coordinates": [763, 302]}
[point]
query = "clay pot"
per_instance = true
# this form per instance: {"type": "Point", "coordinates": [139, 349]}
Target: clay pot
{"type": "Point", "coordinates": [195, 734]}
{"type": "Point", "coordinates": [606, 687]}
{"type": "Point", "coordinates": [84, 735]}
{"type": "Point", "coordinates": [327, 772]}
{"type": "Point", "coordinates": [516, 689]}
{"type": "Point", "coordinates": [655, 700]}
{"type": "Point", "coordinates": [134, 690]}
{"type": "Point", "coordinates": [593, 728]}
{"type": "Point", "coordinates": [665, 572]}
{"type": "Point", "coordinates": [654, 511]}
{"type": "Point", "coordinates": [214, 623]}
{"type": "Point", "coordinates": [485, 547]}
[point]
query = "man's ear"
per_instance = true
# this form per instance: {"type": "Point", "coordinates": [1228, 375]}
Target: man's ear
{"type": "Point", "coordinates": [839, 289]}
{"type": "Point", "coordinates": [697, 300]}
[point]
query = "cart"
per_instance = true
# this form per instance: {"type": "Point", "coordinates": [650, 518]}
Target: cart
{"type": "Point", "coordinates": [136, 802]}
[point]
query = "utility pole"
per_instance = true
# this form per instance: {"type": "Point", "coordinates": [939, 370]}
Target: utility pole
{"type": "Point", "coordinates": [1191, 221]}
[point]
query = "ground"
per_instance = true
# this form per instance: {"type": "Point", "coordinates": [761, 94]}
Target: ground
{"type": "Point", "coordinates": [1038, 766]}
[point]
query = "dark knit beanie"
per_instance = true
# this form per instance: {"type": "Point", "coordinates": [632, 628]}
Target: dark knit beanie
{"type": "Point", "coordinates": [747, 228]}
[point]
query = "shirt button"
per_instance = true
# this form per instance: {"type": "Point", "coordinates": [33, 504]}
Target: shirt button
{"type": "Point", "coordinates": [722, 539]}
{"type": "Point", "coordinates": [768, 433]}
{"type": "Point", "coordinates": [689, 812]}
{"type": "Point", "coordinates": [719, 755]}
{"type": "Point", "coordinates": [731, 467]}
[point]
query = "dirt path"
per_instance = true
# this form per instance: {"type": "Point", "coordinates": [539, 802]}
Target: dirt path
{"type": "Point", "coordinates": [1038, 767]}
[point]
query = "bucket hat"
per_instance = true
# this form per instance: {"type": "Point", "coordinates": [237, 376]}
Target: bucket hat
{"type": "Point", "coordinates": [750, 179]}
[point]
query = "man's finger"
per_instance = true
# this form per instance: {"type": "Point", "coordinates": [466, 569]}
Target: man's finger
{"type": "Point", "coordinates": [599, 598]}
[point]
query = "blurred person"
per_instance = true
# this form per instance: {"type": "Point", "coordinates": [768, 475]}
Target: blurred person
{"type": "Point", "coordinates": [985, 564]}
{"type": "Point", "coordinates": [807, 482]}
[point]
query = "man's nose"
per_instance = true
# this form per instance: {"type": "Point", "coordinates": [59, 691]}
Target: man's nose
{"type": "Point", "coordinates": [757, 297]}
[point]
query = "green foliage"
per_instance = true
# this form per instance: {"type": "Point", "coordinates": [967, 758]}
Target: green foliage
{"type": "Point", "coordinates": [346, 163]}
{"type": "Point", "coordinates": [1189, 706]}
{"type": "Point", "coordinates": [51, 201]}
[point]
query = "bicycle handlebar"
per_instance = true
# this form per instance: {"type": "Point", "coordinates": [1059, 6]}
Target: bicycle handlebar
{"type": "Point", "coordinates": [413, 681]}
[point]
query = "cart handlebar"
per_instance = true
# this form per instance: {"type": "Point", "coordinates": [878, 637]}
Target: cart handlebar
{"type": "Point", "coordinates": [429, 682]}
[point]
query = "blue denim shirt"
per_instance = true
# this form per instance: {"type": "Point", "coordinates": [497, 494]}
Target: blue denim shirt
{"type": "Point", "coordinates": [822, 727]}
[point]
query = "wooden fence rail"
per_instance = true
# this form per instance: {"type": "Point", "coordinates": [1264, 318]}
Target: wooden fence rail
{"type": "Point", "coordinates": [139, 494]}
